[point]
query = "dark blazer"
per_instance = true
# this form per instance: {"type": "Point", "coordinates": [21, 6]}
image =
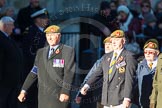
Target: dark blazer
{"type": "Point", "coordinates": [11, 62]}
{"type": "Point", "coordinates": [33, 39]}
{"type": "Point", "coordinates": [52, 80]}
{"type": "Point", "coordinates": [23, 18]}
{"type": "Point", "coordinates": [119, 85]}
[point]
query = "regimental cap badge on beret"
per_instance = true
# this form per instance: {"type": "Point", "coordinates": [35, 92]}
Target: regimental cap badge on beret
{"type": "Point", "coordinates": [107, 40]}
{"type": "Point", "coordinates": [52, 29]}
{"type": "Point", "coordinates": [117, 34]}
{"type": "Point", "coordinates": [151, 43]}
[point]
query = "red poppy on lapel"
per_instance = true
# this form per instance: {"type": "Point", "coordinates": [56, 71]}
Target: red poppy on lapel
{"type": "Point", "coordinates": [57, 51]}
{"type": "Point", "coordinates": [120, 59]}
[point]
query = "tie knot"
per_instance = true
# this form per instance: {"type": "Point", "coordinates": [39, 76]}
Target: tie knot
{"type": "Point", "coordinates": [52, 49]}
{"type": "Point", "coordinates": [115, 54]}
{"type": "Point", "coordinates": [150, 65]}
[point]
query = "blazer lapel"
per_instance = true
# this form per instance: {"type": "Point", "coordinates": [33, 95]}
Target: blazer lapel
{"type": "Point", "coordinates": [107, 62]}
{"type": "Point", "coordinates": [106, 65]}
{"type": "Point", "coordinates": [45, 54]}
{"type": "Point", "coordinates": [114, 68]}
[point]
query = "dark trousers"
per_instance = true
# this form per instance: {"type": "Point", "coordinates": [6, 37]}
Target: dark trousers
{"type": "Point", "coordinates": [144, 107]}
{"type": "Point", "coordinates": [99, 105]}
{"type": "Point", "coordinates": [8, 97]}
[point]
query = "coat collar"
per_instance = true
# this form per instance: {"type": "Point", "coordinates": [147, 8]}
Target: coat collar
{"type": "Point", "coordinates": [144, 63]}
{"type": "Point", "coordinates": [56, 52]}
{"type": "Point", "coordinates": [4, 34]}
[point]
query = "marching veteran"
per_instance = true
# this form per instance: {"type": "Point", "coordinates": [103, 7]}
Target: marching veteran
{"type": "Point", "coordinates": [54, 68]}
{"type": "Point", "coordinates": [34, 39]}
{"type": "Point", "coordinates": [118, 70]}
{"type": "Point", "coordinates": [98, 90]}
{"type": "Point", "coordinates": [146, 70]}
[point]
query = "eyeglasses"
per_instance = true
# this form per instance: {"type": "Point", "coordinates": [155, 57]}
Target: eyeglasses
{"type": "Point", "coordinates": [146, 6]}
{"type": "Point", "coordinates": [149, 52]}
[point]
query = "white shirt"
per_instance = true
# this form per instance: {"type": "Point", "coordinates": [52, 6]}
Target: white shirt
{"type": "Point", "coordinates": [51, 51]}
{"type": "Point", "coordinates": [41, 29]}
{"type": "Point", "coordinates": [118, 53]}
{"type": "Point", "coordinates": [154, 63]}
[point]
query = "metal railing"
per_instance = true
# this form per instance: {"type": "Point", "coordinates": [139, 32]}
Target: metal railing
{"type": "Point", "coordinates": [72, 39]}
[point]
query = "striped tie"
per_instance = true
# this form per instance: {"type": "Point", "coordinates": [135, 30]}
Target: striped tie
{"type": "Point", "coordinates": [113, 61]}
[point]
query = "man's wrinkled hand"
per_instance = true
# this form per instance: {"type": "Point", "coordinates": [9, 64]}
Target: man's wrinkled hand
{"type": "Point", "coordinates": [22, 97]}
{"type": "Point", "coordinates": [78, 100]}
{"type": "Point", "coordinates": [84, 90]}
{"type": "Point", "coordinates": [64, 97]}
{"type": "Point", "coordinates": [126, 104]}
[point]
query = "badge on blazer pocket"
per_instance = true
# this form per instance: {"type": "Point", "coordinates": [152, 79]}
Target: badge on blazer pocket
{"type": "Point", "coordinates": [123, 63]}
{"type": "Point", "coordinates": [58, 63]}
{"type": "Point", "coordinates": [122, 69]}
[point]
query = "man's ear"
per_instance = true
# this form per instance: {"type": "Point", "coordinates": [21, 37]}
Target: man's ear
{"type": "Point", "coordinates": [158, 52]}
{"type": "Point", "coordinates": [124, 40]}
{"type": "Point", "coordinates": [4, 27]}
{"type": "Point", "coordinates": [59, 34]}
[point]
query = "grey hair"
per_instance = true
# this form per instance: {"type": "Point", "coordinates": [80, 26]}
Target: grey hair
{"type": "Point", "coordinates": [5, 20]}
